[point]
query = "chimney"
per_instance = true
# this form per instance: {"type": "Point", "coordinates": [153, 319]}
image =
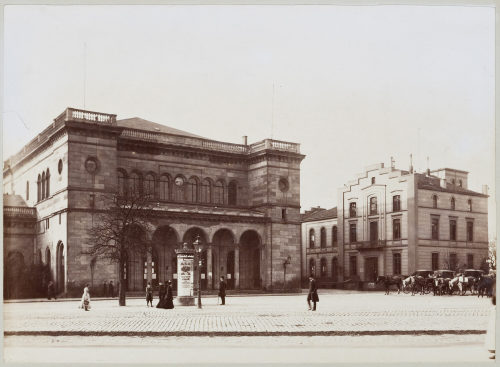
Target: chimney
{"type": "Point", "coordinates": [245, 140]}
{"type": "Point", "coordinates": [411, 163]}
{"type": "Point", "coordinates": [428, 172]}
{"type": "Point", "coordinates": [485, 189]}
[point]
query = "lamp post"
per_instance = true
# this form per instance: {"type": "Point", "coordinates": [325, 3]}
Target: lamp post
{"type": "Point", "coordinates": [285, 263]}
{"type": "Point", "coordinates": [198, 247]}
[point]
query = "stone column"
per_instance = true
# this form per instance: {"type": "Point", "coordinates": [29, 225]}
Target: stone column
{"type": "Point", "coordinates": [237, 267]}
{"type": "Point", "coordinates": [209, 267]}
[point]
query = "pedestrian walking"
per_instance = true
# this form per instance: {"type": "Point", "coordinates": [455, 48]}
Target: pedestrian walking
{"type": "Point", "coordinates": [85, 298]}
{"type": "Point", "coordinates": [111, 289]}
{"type": "Point", "coordinates": [51, 293]}
{"type": "Point", "coordinates": [169, 297]}
{"type": "Point", "coordinates": [222, 291]}
{"type": "Point", "coordinates": [313, 294]}
{"type": "Point", "coordinates": [149, 294]}
{"type": "Point", "coordinates": [161, 296]}
{"type": "Point", "coordinates": [105, 289]}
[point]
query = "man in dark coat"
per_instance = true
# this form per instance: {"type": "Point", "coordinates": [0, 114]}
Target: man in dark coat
{"type": "Point", "coordinates": [105, 289]}
{"type": "Point", "coordinates": [111, 289]}
{"type": "Point", "coordinates": [51, 293]}
{"type": "Point", "coordinates": [222, 291]}
{"type": "Point", "coordinates": [313, 294]}
{"type": "Point", "coordinates": [149, 294]}
{"type": "Point", "coordinates": [161, 296]}
{"type": "Point", "coordinates": [169, 298]}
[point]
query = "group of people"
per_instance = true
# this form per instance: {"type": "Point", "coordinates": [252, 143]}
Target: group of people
{"type": "Point", "coordinates": [108, 289]}
{"type": "Point", "coordinates": [166, 299]}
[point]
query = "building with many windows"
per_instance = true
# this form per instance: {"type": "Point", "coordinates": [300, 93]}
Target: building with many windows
{"type": "Point", "coordinates": [321, 253]}
{"type": "Point", "coordinates": [393, 222]}
{"type": "Point", "coordinates": [243, 200]}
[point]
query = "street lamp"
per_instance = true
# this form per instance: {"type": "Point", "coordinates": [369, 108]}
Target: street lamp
{"type": "Point", "coordinates": [285, 263]}
{"type": "Point", "coordinates": [198, 247]}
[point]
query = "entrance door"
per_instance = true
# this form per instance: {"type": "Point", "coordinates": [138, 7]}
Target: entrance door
{"type": "Point", "coordinates": [371, 269]}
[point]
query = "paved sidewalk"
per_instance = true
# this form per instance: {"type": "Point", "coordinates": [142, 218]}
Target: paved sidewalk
{"type": "Point", "coordinates": [338, 314]}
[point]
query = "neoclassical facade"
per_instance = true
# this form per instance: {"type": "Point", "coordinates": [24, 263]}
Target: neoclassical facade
{"type": "Point", "coordinates": [393, 221]}
{"type": "Point", "coordinates": [242, 200]}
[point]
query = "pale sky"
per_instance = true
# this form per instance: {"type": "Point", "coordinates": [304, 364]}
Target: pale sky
{"type": "Point", "coordinates": [354, 85]}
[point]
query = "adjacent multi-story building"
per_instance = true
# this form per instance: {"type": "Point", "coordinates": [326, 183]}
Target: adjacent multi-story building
{"type": "Point", "coordinates": [243, 200]}
{"type": "Point", "coordinates": [393, 221]}
{"type": "Point", "coordinates": [320, 253]}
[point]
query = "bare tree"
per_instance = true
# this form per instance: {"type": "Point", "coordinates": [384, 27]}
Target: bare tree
{"type": "Point", "coordinates": [120, 231]}
{"type": "Point", "coordinates": [492, 254]}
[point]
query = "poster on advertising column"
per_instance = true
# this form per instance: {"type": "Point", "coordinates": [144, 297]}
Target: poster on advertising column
{"type": "Point", "coordinates": [185, 275]}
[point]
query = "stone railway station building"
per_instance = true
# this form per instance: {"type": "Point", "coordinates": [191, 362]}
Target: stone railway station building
{"type": "Point", "coordinates": [243, 200]}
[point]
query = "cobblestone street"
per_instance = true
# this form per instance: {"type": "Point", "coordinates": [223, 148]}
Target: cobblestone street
{"type": "Point", "coordinates": [338, 312]}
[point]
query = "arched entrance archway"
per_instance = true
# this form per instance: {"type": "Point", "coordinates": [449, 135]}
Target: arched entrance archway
{"type": "Point", "coordinates": [335, 270]}
{"type": "Point", "coordinates": [250, 260]}
{"type": "Point", "coordinates": [165, 241]}
{"type": "Point", "coordinates": [60, 268]}
{"type": "Point", "coordinates": [222, 245]}
{"type": "Point", "coordinates": [135, 263]}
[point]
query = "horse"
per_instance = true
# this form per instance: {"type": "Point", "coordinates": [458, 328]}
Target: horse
{"type": "Point", "coordinates": [419, 284]}
{"type": "Point", "coordinates": [485, 285]}
{"type": "Point", "coordinates": [390, 280]}
{"type": "Point", "coordinates": [440, 286]}
{"type": "Point", "coordinates": [407, 283]}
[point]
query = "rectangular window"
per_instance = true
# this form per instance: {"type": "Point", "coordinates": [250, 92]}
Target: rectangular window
{"type": "Point", "coordinates": [373, 205]}
{"type": "Point", "coordinates": [352, 210]}
{"type": "Point", "coordinates": [352, 233]}
{"type": "Point", "coordinates": [453, 261]}
{"type": "Point", "coordinates": [27, 190]}
{"type": "Point", "coordinates": [396, 229]}
{"type": "Point", "coordinates": [47, 223]}
{"type": "Point", "coordinates": [470, 261]}
{"type": "Point", "coordinates": [353, 265]}
{"type": "Point", "coordinates": [453, 230]}
{"type": "Point", "coordinates": [283, 214]}
{"type": "Point", "coordinates": [396, 264]}
{"type": "Point", "coordinates": [435, 228]}
{"type": "Point", "coordinates": [470, 231]}
{"type": "Point", "coordinates": [373, 232]}
{"type": "Point", "coordinates": [435, 261]}
{"type": "Point", "coordinates": [396, 203]}
{"type": "Point", "coordinates": [59, 218]}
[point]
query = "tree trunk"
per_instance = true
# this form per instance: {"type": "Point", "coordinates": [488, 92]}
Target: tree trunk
{"type": "Point", "coordinates": [121, 287]}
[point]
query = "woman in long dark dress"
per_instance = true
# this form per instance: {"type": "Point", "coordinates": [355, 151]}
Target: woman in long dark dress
{"type": "Point", "coordinates": [169, 298]}
{"type": "Point", "coordinates": [161, 296]}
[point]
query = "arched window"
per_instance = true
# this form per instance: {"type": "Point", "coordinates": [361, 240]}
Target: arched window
{"type": "Point", "coordinates": [469, 205]}
{"type": "Point", "coordinates": [47, 184]}
{"type": "Point", "coordinates": [149, 186]}
{"type": "Point", "coordinates": [39, 188]}
{"type": "Point", "coordinates": [122, 184]}
{"type": "Point", "coordinates": [322, 237]}
{"type": "Point", "coordinates": [164, 187]}
{"type": "Point", "coordinates": [323, 271]}
{"type": "Point", "coordinates": [373, 205]}
{"type": "Point", "coordinates": [179, 188]}
{"type": "Point", "coordinates": [219, 192]}
{"type": "Point", "coordinates": [434, 201]}
{"type": "Point", "coordinates": [312, 241]}
{"type": "Point", "coordinates": [232, 193]}
{"type": "Point", "coordinates": [312, 267]}
{"type": "Point", "coordinates": [460, 183]}
{"type": "Point", "coordinates": [452, 204]}
{"type": "Point", "coordinates": [206, 191]}
{"type": "Point", "coordinates": [43, 185]}
{"type": "Point", "coordinates": [334, 236]}
{"type": "Point", "coordinates": [192, 190]}
{"type": "Point", "coordinates": [453, 181]}
{"type": "Point", "coordinates": [135, 184]}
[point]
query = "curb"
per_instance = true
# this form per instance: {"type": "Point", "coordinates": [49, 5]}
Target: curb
{"type": "Point", "coordinates": [244, 333]}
